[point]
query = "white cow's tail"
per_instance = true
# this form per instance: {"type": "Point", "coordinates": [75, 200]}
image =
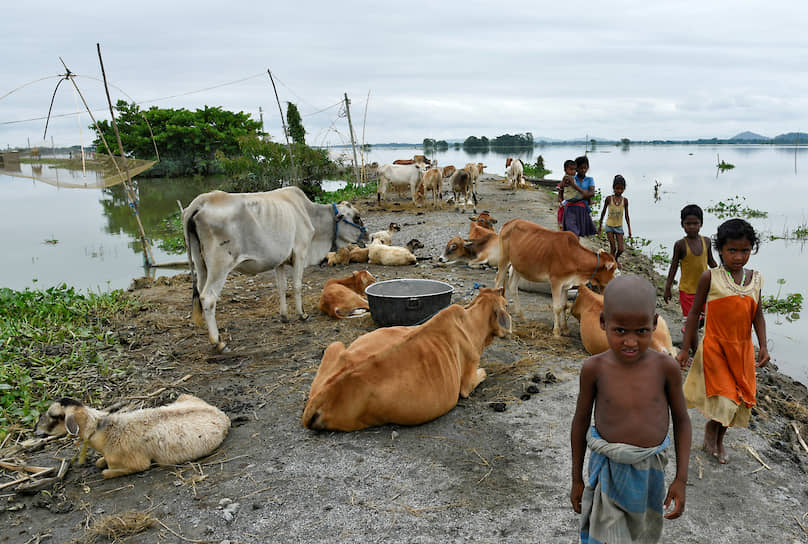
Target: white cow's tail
{"type": "Point", "coordinates": [195, 261]}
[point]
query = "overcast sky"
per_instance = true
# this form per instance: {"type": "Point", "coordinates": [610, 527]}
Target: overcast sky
{"type": "Point", "coordinates": [443, 70]}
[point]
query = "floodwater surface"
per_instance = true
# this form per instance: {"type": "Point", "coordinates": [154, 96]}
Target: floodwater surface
{"type": "Point", "coordinates": [88, 238]}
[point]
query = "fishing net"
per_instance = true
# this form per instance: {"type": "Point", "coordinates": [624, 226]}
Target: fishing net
{"type": "Point", "coordinates": [80, 169]}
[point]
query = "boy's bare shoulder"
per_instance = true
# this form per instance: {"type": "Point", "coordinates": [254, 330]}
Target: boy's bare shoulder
{"type": "Point", "coordinates": [596, 362]}
{"type": "Point", "coordinates": [664, 361]}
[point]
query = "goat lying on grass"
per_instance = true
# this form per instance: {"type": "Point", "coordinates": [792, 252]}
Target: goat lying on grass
{"type": "Point", "coordinates": [187, 429]}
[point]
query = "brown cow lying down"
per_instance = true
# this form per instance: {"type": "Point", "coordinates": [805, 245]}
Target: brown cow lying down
{"type": "Point", "coordinates": [406, 375]}
{"type": "Point", "coordinates": [588, 308]}
{"type": "Point", "coordinates": [345, 297]}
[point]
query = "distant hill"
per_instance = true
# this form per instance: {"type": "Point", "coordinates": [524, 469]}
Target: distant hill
{"type": "Point", "coordinates": [791, 138]}
{"type": "Point", "coordinates": [749, 136]}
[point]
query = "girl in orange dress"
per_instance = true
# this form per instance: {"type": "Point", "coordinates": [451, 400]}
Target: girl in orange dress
{"type": "Point", "coordinates": [721, 381]}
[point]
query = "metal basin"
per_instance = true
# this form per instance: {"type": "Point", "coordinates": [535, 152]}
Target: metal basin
{"type": "Point", "coordinates": [407, 301]}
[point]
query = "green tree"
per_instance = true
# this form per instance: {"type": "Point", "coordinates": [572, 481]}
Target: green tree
{"type": "Point", "coordinates": [293, 121]}
{"type": "Point", "coordinates": [188, 142]}
{"type": "Point", "coordinates": [263, 165]}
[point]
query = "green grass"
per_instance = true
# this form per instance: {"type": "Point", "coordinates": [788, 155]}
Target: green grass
{"type": "Point", "coordinates": [349, 192]}
{"type": "Point", "coordinates": [531, 170]}
{"type": "Point", "coordinates": [52, 344]}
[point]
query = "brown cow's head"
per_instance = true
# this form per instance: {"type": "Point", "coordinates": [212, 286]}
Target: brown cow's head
{"type": "Point", "coordinates": [604, 273]}
{"type": "Point", "coordinates": [363, 278]}
{"type": "Point", "coordinates": [508, 162]}
{"type": "Point", "coordinates": [455, 249]}
{"type": "Point", "coordinates": [585, 299]}
{"type": "Point", "coordinates": [495, 300]}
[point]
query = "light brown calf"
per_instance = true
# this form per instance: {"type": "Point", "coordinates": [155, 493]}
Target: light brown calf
{"type": "Point", "coordinates": [406, 375]}
{"type": "Point", "coordinates": [539, 254]}
{"type": "Point", "coordinates": [345, 297]}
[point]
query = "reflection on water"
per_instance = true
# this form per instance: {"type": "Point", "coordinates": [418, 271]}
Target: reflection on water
{"type": "Point", "coordinates": [157, 199]}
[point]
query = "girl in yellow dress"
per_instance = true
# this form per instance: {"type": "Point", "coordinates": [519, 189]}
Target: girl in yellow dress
{"type": "Point", "coordinates": [617, 206]}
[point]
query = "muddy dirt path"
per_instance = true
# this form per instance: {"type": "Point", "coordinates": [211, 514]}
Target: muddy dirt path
{"type": "Point", "coordinates": [494, 469]}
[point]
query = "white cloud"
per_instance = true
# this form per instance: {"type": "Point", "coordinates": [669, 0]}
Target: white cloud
{"type": "Point", "coordinates": [446, 70]}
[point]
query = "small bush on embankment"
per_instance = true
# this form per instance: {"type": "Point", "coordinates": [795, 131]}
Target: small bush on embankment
{"type": "Point", "coordinates": [51, 345]}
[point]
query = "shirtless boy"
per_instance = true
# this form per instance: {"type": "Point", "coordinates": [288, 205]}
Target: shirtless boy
{"type": "Point", "coordinates": [635, 391]}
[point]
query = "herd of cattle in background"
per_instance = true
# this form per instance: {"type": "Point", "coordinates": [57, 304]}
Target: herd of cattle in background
{"type": "Point", "coordinates": [422, 176]}
{"type": "Point", "coordinates": [400, 375]}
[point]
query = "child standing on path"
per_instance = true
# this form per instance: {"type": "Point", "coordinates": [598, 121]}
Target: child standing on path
{"type": "Point", "coordinates": [721, 382]}
{"type": "Point", "coordinates": [634, 391]}
{"type": "Point", "coordinates": [694, 254]}
{"type": "Point", "coordinates": [567, 192]}
{"type": "Point", "coordinates": [617, 206]}
{"type": "Point", "coordinates": [576, 212]}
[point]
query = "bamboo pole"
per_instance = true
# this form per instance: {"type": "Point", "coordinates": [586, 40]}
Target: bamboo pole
{"type": "Point", "coordinates": [147, 253]}
{"type": "Point", "coordinates": [353, 142]}
{"type": "Point", "coordinates": [285, 131]}
{"type": "Point", "coordinates": [364, 123]}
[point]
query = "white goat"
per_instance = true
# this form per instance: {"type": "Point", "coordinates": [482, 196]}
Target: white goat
{"type": "Point", "coordinates": [379, 253]}
{"type": "Point", "coordinates": [187, 429]}
{"type": "Point", "coordinates": [386, 236]}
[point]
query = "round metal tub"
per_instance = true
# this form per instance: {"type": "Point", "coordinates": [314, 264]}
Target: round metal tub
{"type": "Point", "coordinates": [407, 301]}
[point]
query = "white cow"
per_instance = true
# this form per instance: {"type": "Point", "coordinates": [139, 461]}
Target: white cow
{"type": "Point", "coordinates": [399, 174]}
{"type": "Point", "coordinates": [255, 232]}
{"type": "Point", "coordinates": [516, 172]}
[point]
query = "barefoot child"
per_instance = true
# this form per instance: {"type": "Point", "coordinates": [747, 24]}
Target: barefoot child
{"type": "Point", "coordinates": [567, 191]}
{"type": "Point", "coordinates": [721, 382]}
{"type": "Point", "coordinates": [576, 213]}
{"type": "Point", "coordinates": [617, 206]}
{"type": "Point", "coordinates": [634, 391]}
{"type": "Point", "coordinates": [693, 254]}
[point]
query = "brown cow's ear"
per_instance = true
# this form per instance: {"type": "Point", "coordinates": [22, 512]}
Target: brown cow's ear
{"type": "Point", "coordinates": [71, 424]}
{"type": "Point", "coordinates": [502, 291]}
{"type": "Point", "coordinates": [503, 319]}
{"type": "Point", "coordinates": [473, 218]}
{"type": "Point", "coordinates": [610, 265]}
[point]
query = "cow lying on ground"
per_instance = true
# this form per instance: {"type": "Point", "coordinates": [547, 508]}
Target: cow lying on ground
{"type": "Point", "coordinates": [481, 225]}
{"type": "Point", "coordinates": [395, 175]}
{"type": "Point", "coordinates": [406, 375]}
{"type": "Point", "coordinates": [340, 256]}
{"type": "Point", "coordinates": [345, 297]}
{"type": "Point", "coordinates": [479, 252]}
{"type": "Point", "coordinates": [539, 254]}
{"type": "Point", "coordinates": [379, 253]}
{"type": "Point", "coordinates": [255, 232]}
{"type": "Point", "coordinates": [516, 172]}
{"type": "Point", "coordinates": [588, 308]}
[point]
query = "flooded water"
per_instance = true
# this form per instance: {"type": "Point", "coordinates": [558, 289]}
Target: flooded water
{"type": "Point", "coordinates": [88, 237]}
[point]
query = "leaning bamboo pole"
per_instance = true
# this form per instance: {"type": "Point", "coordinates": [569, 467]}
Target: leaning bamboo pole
{"type": "Point", "coordinates": [147, 253]}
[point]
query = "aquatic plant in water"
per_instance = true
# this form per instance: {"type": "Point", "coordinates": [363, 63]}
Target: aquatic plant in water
{"type": "Point", "coordinates": [789, 306]}
{"type": "Point", "coordinates": [734, 207]}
